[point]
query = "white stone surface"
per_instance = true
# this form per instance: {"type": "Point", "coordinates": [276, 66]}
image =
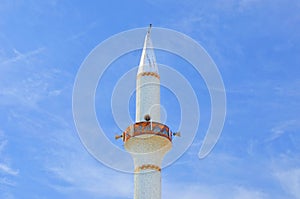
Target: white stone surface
{"type": "Point", "coordinates": [147, 150]}
{"type": "Point", "coordinates": [148, 84]}
{"type": "Point", "coordinates": [147, 185]}
{"type": "Point", "coordinates": [148, 98]}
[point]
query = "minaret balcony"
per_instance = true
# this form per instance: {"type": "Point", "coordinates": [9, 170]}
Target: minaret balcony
{"type": "Point", "coordinates": [147, 128]}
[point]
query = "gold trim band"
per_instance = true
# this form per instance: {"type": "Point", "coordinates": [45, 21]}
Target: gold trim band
{"type": "Point", "coordinates": [147, 166]}
{"type": "Point", "coordinates": [148, 74]}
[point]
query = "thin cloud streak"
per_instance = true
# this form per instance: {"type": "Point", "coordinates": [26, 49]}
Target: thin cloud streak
{"type": "Point", "coordinates": [185, 190]}
{"type": "Point", "coordinates": [22, 56]}
{"type": "Point", "coordinates": [79, 173]}
{"type": "Point", "coordinates": [80, 34]}
{"type": "Point", "coordinates": [290, 181]}
{"type": "Point", "coordinates": [284, 127]}
{"type": "Point", "coordinates": [8, 170]}
{"type": "Point", "coordinates": [7, 182]}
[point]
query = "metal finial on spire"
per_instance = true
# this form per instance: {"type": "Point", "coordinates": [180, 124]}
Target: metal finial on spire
{"type": "Point", "coordinates": [149, 29]}
{"type": "Point", "coordinates": [148, 32]}
{"type": "Point", "coordinates": [148, 61]}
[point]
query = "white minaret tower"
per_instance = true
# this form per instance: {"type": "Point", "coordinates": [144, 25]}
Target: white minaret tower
{"type": "Point", "coordinates": [147, 140]}
{"type": "Point", "coordinates": [148, 84]}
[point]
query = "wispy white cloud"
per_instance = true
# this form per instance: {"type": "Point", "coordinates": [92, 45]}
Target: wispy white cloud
{"type": "Point", "coordinates": [82, 176]}
{"type": "Point", "coordinates": [4, 165]}
{"type": "Point", "coordinates": [244, 193]}
{"type": "Point", "coordinates": [76, 36]}
{"type": "Point", "coordinates": [288, 89]}
{"type": "Point", "coordinates": [73, 171]}
{"type": "Point", "coordinates": [280, 129]}
{"type": "Point", "coordinates": [29, 84]}
{"type": "Point", "coordinates": [6, 195]}
{"type": "Point", "coordinates": [290, 181]}
{"type": "Point", "coordinates": [194, 190]}
{"type": "Point", "coordinates": [8, 170]}
{"type": "Point", "coordinates": [18, 56]}
{"type": "Point", "coordinates": [286, 171]}
{"type": "Point", "coordinates": [7, 182]}
{"type": "Point", "coordinates": [29, 89]}
{"type": "Point", "coordinates": [247, 4]}
{"type": "Point", "coordinates": [2, 143]}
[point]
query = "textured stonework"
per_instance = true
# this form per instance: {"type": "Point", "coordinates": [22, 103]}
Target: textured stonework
{"type": "Point", "coordinates": [147, 141]}
{"type": "Point", "coordinates": [148, 98]}
{"type": "Point", "coordinates": [147, 152]}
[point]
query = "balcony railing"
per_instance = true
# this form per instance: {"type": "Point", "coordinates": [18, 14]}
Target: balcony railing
{"type": "Point", "coordinates": [142, 128]}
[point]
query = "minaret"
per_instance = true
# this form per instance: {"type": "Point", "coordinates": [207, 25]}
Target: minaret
{"type": "Point", "coordinates": [147, 140]}
{"type": "Point", "coordinates": [148, 84]}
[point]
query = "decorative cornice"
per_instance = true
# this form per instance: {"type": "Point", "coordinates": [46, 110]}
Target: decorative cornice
{"type": "Point", "coordinates": [154, 74]}
{"type": "Point", "coordinates": [147, 166]}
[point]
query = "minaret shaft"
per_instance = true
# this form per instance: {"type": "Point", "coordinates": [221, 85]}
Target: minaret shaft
{"type": "Point", "coordinates": [148, 84]}
{"type": "Point", "coordinates": [147, 97]}
{"type": "Point", "coordinates": [147, 141]}
{"type": "Point", "coordinates": [147, 185]}
{"type": "Point", "coordinates": [148, 152]}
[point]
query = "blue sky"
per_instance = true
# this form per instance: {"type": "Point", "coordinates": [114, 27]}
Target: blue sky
{"type": "Point", "coordinates": [255, 44]}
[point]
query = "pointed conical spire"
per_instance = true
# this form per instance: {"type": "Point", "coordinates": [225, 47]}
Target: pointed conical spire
{"type": "Point", "coordinates": [148, 60]}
